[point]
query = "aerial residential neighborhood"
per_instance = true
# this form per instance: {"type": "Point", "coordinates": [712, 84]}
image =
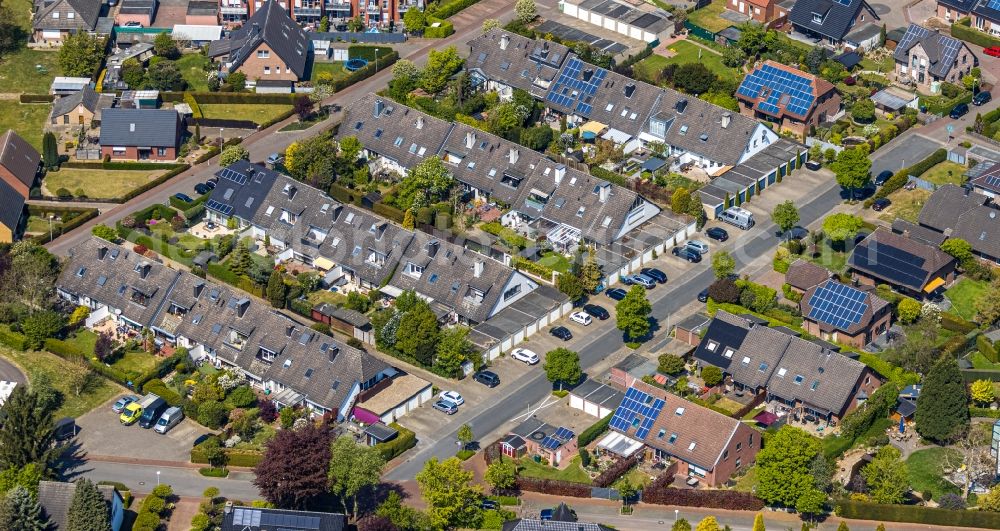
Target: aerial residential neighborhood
{"type": "Point", "coordinates": [486, 264]}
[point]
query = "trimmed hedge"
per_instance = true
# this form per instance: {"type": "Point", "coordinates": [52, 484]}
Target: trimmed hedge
{"type": "Point", "coordinates": [899, 179]}
{"type": "Point", "coordinates": [14, 340]}
{"type": "Point", "coordinates": [279, 118]}
{"type": "Point", "coordinates": [158, 387]}
{"type": "Point", "coordinates": [443, 29]}
{"type": "Point", "coordinates": [944, 107]}
{"type": "Point", "coordinates": [523, 264]}
{"type": "Point", "coordinates": [234, 457]}
{"type": "Point", "coordinates": [986, 348]}
{"type": "Point", "coordinates": [660, 493]}
{"type": "Point", "coordinates": [36, 98]}
{"type": "Point", "coordinates": [608, 175]}
{"type": "Point", "coordinates": [83, 217]}
{"type": "Point", "coordinates": [595, 430]}
{"type": "Point", "coordinates": [967, 34]}
{"type": "Point", "coordinates": [955, 323]}
{"type": "Point", "coordinates": [403, 442]}
{"type": "Point", "coordinates": [345, 195]}
{"type": "Point", "coordinates": [389, 211]}
{"type": "Point", "coordinates": [916, 514]}
{"type": "Point", "coordinates": [209, 98]}
{"type": "Point", "coordinates": [450, 9]}
{"type": "Point", "coordinates": [193, 103]}
{"type": "Point", "coordinates": [553, 486]}
{"type": "Point", "coordinates": [971, 375]}
{"type": "Point", "coordinates": [984, 412]}
{"type": "Point", "coordinates": [211, 472]}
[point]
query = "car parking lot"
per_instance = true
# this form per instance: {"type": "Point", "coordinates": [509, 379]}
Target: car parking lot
{"type": "Point", "coordinates": [100, 433]}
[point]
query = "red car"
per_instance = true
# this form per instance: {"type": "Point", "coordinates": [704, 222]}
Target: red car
{"type": "Point", "coordinates": [992, 50]}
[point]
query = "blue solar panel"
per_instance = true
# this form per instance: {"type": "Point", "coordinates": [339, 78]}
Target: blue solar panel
{"type": "Point", "coordinates": [233, 175]}
{"type": "Point", "coordinates": [563, 434]}
{"type": "Point", "coordinates": [775, 87]}
{"type": "Point", "coordinates": [993, 4]}
{"type": "Point", "coordinates": [636, 408]}
{"type": "Point", "coordinates": [571, 89]}
{"type": "Point", "coordinates": [837, 305]}
{"type": "Point", "coordinates": [220, 207]}
{"type": "Point", "coordinates": [993, 180]}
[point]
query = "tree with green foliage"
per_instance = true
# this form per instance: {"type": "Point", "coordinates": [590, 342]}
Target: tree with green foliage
{"type": "Point", "coordinates": [853, 168]}
{"type": "Point", "coordinates": [841, 226]}
{"type": "Point", "coordinates": [104, 232]}
{"type": "Point", "coordinates": [525, 11]}
{"type": "Point", "coordinates": [415, 20]}
{"type": "Point", "coordinates": [785, 216]}
{"type": "Point", "coordinates": [680, 201]}
{"type": "Point", "coordinates": [843, 527]}
{"type": "Point", "coordinates": [887, 476]}
{"type": "Point", "coordinates": [354, 468]}
{"type": "Point", "coordinates": [490, 24]}
{"type": "Point", "coordinates": [240, 261]}
{"type": "Point", "coordinates": [959, 248]}
{"type": "Point", "coordinates": [633, 313]}
{"type": "Point", "coordinates": [942, 412]}
{"type": "Point", "coordinates": [723, 264]}
{"type": "Point", "coordinates": [562, 365]}
{"type": "Point", "coordinates": [670, 364]}
{"type": "Point", "coordinates": [88, 511]}
{"type": "Point", "coordinates": [694, 78]}
{"type": "Point", "coordinates": [50, 150]}
{"type": "Point", "coordinates": [733, 57]}
{"type": "Point", "coordinates": [570, 285]}
{"type": "Point", "coordinates": [465, 435]}
{"type": "Point", "coordinates": [133, 73]}
{"type": "Point", "coordinates": [164, 46]}
{"type": "Point", "coordinates": [418, 334]}
{"type": "Point", "coordinates": [991, 500]}
{"type": "Point", "coordinates": [452, 499]}
{"type": "Point", "coordinates": [708, 523]}
{"type": "Point", "coordinates": [165, 75]}
{"type": "Point", "coordinates": [237, 81]}
{"type": "Point", "coordinates": [356, 24]}
{"type": "Point", "coordinates": [405, 77]}
{"type": "Point", "coordinates": [537, 138]}
{"type": "Point", "coordinates": [982, 392]}
{"type": "Point", "coordinates": [863, 111]}
{"type": "Point", "coordinates": [908, 310]}
{"type": "Point", "coordinates": [591, 275]}
{"type": "Point", "coordinates": [232, 154]}
{"type": "Point", "coordinates": [81, 54]}
{"type": "Point", "coordinates": [26, 477]}
{"type": "Point", "coordinates": [402, 516]}
{"type": "Point", "coordinates": [453, 349]}
{"type": "Point", "coordinates": [408, 222]}
{"type": "Point", "coordinates": [988, 305]}
{"type": "Point", "coordinates": [19, 510]}
{"type": "Point", "coordinates": [712, 375]}
{"type": "Point", "coordinates": [758, 523]}
{"type": "Point", "coordinates": [751, 39]}
{"type": "Point", "coordinates": [276, 289]}
{"type": "Point", "coordinates": [501, 474]}
{"type": "Point", "coordinates": [783, 468]}
{"type": "Point", "coordinates": [426, 183]}
{"type": "Point", "coordinates": [681, 525]}
{"type": "Point", "coordinates": [441, 65]}
{"type": "Point", "coordinates": [40, 326]}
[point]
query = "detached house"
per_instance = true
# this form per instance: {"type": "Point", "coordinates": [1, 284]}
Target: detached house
{"type": "Point", "coordinates": [140, 134]}
{"type": "Point", "coordinates": [925, 57]}
{"type": "Point", "coordinates": [269, 46]}
{"type": "Point", "coordinates": [82, 108]}
{"type": "Point", "coordinates": [955, 212]}
{"type": "Point", "coordinates": [797, 101]}
{"type": "Point", "coordinates": [19, 164]}
{"type": "Point", "coordinates": [54, 20]}
{"type": "Point", "coordinates": [851, 24]}
{"type": "Point", "coordinates": [837, 312]}
{"type": "Point", "coordinates": [908, 265]}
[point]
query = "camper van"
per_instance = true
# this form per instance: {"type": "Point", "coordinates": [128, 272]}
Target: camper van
{"type": "Point", "coordinates": [737, 216]}
{"type": "Point", "coordinates": [170, 418]}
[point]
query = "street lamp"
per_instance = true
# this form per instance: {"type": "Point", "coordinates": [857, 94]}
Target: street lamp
{"type": "Point", "coordinates": [676, 513]}
{"type": "Point", "coordinates": [158, 479]}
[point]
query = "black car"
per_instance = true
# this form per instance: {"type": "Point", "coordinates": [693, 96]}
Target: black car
{"type": "Point", "coordinates": [211, 183]}
{"type": "Point", "coordinates": [703, 295]}
{"type": "Point", "coordinates": [813, 165]}
{"type": "Point", "coordinates": [183, 197]}
{"type": "Point", "coordinates": [201, 189]}
{"type": "Point", "coordinates": [487, 378]}
{"type": "Point", "coordinates": [959, 111]}
{"type": "Point", "coordinates": [562, 333]}
{"type": "Point", "coordinates": [596, 311]}
{"type": "Point", "coordinates": [489, 505]}
{"type": "Point", "coordinates": [616, 293]}
{"type": "Point", "coordinates": [982, 98]}
{"type": "Point", "coordinates": [880, 204]}
{"type": "Point", "coordinates": [659, 276]}
{"type": "Point", "coordinates": [686, 253]}
{"type": "Point", "coordinates": [882, 177]}
{"type": "Point", "coordinates": [717, 233]}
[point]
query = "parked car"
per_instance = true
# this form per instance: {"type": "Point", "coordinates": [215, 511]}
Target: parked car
{"type": "Point", "coordinates": [655, 274]}
{"type": "Point", "coordinates": [813, 165]}
{"type": "Point", "coordinates": [202, 189]}
{"type": "Point", "coordinates": [170, 418]}
{"type": "Point", "coordinates": [487, 378]}
{"type": "Point", "coordinates": [581, 317]}
{"type": "Point", "coordinates": [615, 294]}
{"type": "Point", "coordinates": [641, 280]}
{"type": "Point", "coordinates": [453, 397]}
{"type": "Point", "coordinates": [212, 183]}
{"type": "Point", "coordinates": [120, 404]}
{"type": "Point", "coordinates": [562, 333]}
{"type": "Point", "coordinates": [133, 24]}
{"type": "Point", "coordinates": [489, 505]}
{"type": "Point", "coordinates": [152, 413]}
{"type": "Point", "coordinates": [446, 407]}
{"type": "Point", "coordinates": [703, 295]}
{"type": "Point", "coordinates": [717, 233]}
{"type": "Point", "coordinates": [596, 311]}
{"type": "Point", "coordinates": [697, 245]}
{"type": "Point", "coordinates": [993, 51]}
{"type": "Point", "coordinates": [524, 355]}
{"type": "Point", "coordinates": [545, 514]}
{"type": "Point", "coordinates": [687, 253]}
{"type": "Point", "coordinates": [130, 414]}
{"type": "Point", "coordinates": [183, 197]}
{"type": "Point", "coordinates": [982, 98]}
{"type": "Point", "coordinates": [959, 111]}
{"type": "Point", "coordinates": [275, 158]}
{"type": "Point", "coordinates": [880, 204]}
{"type": "Point", "coordinates": [882, 177]}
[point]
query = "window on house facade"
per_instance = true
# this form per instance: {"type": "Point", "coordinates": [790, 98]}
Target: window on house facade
{"type": "Point", "coordinates": [161, 152]}
{"type": "Point", "coordinates": [263, 54]}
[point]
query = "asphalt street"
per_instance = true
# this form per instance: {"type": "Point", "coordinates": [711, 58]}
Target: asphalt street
{"type": "Point", "coordinates": [184, 481]}
{"type": "Point", "coordinates": [10, 373]}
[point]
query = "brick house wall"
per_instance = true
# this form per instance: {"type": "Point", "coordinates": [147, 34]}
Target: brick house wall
{"type": "Point", "coordinates": [963, 65]}
{"type": "Point", "coordinates": [743, 447]}
{"type": "Point", "coordinates": [78, 116]}
{"type": "Point", "coordinates": [201, 20]}
{"type": "Point", "coordinates": [256, 66]}
{"type": "Point", "coordinates": [762, 14]}
{"type": "Point", "coordinates": [132, 153]}
{"type": "Point", "coordinates": [868, 383]}
{"type": "Point", "coordinates": [879, 324]}
{"type": "Point", "coordinates": [687, 336]}
{"type": "Point", "coordinates": [949, 13]}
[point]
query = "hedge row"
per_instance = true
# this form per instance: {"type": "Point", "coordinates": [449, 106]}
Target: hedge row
{"type": "Point", "coordinates": [36, 98]}
{"type": "Point", "coordinates": [279, 118]}
{"type": "Point", "coordinates": [961, 30]}
{"type": "Point", "coordinates": [83, 217]}
{"type": "Point", "coordinates": [986, 347]}
{"type": "Point", "coordinates": [944, 107]}
{"type": "Point", "coordinates": [554, 487]}
{"type": "Point", "coordinates": [616, 470]}
{"type": "Point", "coordinates": [12, 339]}
{"type": "Point", "coordinates": [123, 165]}
{"type": "Point", "coordinates": [159, 388]}
{"type": "Point", "coordinates": [234, 456]}
{"type": "Point", "coordinates": [221, 272]}
{"type": "Point", "coordinates": [955, 323]}
{"type": "Point", "coordinates": [608, 175]}
{"type": "Point", "coordinates": [899, 179]}
{"type": "Point", "coordinates": [971, 375]}
{"type": "Point", "coordinates": [68, 351]}
{"type": "Point", "coordinates": [443, 29]}
{"type": "Point", "coordinates": [345, 195]}
{"type": "Point", "coordinates": [595, 430]}
{"type": "Point", "coordinates": [403, 442]}
{"type": "Point", "coordinates": [660, 493]}
{"type": "Point", "coordinates": [209, 98]}
{"type": "Point", "coordinates": [384, 61]}
{"type": "Point", "coordinates": [917, 514]}
{"type": "Point", "coordinates": [155, 182]}
{"type": "Point", "coordinates": [523, 264]}
{"type": "Point", "coordinates": [389, 211]}
{"type": "Point", "coordinates": [193, 103]}
{"type": "Point", "coordinates": [451, 8]}
{"type": "Point", "coordinates": [986, 412]}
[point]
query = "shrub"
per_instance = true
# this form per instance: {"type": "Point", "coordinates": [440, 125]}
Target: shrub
{"type": "Point", "coordinates": [661, 493]}
{"type": "Point", "coordinates": [158, 387]}
{"type": "Point", "coordinates": [616, 470]}
{"type": "Point", "coordinates": [153, 504]}
{"type": "Point", "coordinates": [465, 454]}
{"type": "Point", "coordinates": [403, 442]}
{"type": "Point", "coordinates": [900, 178]}
{"type": "Point", "coordinates": [242, 396]}
{"type": "Point", "coordinates": [211, 472]}
{"type": "Point", "coordinates": [553, 487]}
{"type": "Point", "coordinates": [443, 29]}
{"type": "Point", "coordinates": [595, 430]}
{"type": "Point", "coordinates": [916, 514]}
{"type": "Point", "coordinates": [952, 502]}
{"type": "Point", "coordinates": [724, 291]}
{"type": "Point", "coordinates": [448, 9]}
{"type": "Point", "coordinates": [146, 522]}
{"type": "Point", "coordinates": [212, 414]}
{"type": "Point", "coordinates": [13, 340]}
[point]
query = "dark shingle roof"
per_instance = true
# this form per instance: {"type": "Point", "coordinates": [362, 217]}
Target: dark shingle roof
{"type": "Point", "coordinates": [523, 63]}
{"type": "Point", "coordinates": [244, 518]}
{"type": "Point", "coordinates": [19, 157]}
{"type": "Point", "coordinates": [918, 232]}
{"type": "Point", "coordinates": [55, 497]}
{"type": "Point", "coordinates": [140, 127]}
{"type": "Point", "coordinates": [803, 274]}
{"type": "Point", "coordinates": [87, 13]}
{"type": "Point", "coordinates": [918, 259]}
{"type": "Point", "coordinates": [942, 50]}
{"type": "Point", "coordinates": [533, 524]}
{"type": "Point", "coordinates": [837, 17]}
{"type": "Point", "coordinates": [11, 206]}
{"type": "Point", "coordinates": [88, 97]}
{"type": "Point", "coordinates": [958, 213]}
{"type": "Point", "coordinates": [271, 25]}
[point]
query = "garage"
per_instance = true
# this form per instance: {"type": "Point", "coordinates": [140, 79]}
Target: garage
{"type": "Point", "coordinates": [404, 394]}
{"type": "Point", "coordinates": [595, 399]}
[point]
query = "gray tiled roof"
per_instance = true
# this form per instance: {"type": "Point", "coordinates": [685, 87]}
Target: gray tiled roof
{"type": "Point", "coordinates": [942, 51]}
{"type": "Point", "coordinates": [984, 176]}
{"type": "Point", "coordinates": [86, 15]}
{"type": "Point", "coordinates": [394, 131]}
{"type": "Point", "coordinates": [246, 198]}
{"type": "Point", "coordinates": [918, 232]}
{"type": "Point", "coordinates": [258, 519]}
{"type": "Point", "coordinates": [88, 97]}
{"type": "Point", "coordinates": [959, 213]}
{"type": "Point", "coordinates": [946, 205]}
{"type": "Point", "coordinates": [140, 127]}
{"type": "Point", "coordinates": [271, 25]}
{"type": "Point", "coordinates": [11, 206]}
{"type": "Point", "coordinates": [803, 274]}
{"type": "Point", "coordinates": [19, 157]}
{"type": "Point", "coordinates": [700, 119]}
{"type": "Point", "coordinates": [523, 63]}
{"type": "Point", "coordinates": [55, 497]}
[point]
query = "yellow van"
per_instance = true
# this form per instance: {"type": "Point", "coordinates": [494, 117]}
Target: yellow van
{"type": "Point", "coordinates": [130, 414]}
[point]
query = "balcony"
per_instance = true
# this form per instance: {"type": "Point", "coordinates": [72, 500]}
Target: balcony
{"type": "Point", "coordinates": [308, 11]}
{"type": "Point", "coordinates": [373, 9]}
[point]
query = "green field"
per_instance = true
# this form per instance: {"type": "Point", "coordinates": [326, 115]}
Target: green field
{"type": "Point", "coordinates": [57, 370]}
{"type": "Point", "coordinates": [686, 52]}
{"type": "Point", "coordinates": [335, 69]}
{"type": "Point", "coordinates": [26, 120]}
{"type": "Point", "coordinates": [925, 467]}
{"type": "Point", "coordinates": [906, 204]}
{"type": "Point", "coordinates": [19, 70]}
{"type": "Point", "coordinates": [192, 67]}
{"type": "Point", "coordinates": [964, 295]}
{"type": "Point", "coordinates": [244, 111]}
{"type": "Point", "coordinates": [103, 184]}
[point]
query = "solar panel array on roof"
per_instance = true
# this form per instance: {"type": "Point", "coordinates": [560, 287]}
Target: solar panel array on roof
{"type": "Point", "coordinates": [914, 33]}
{"type": "Point", "coordinates": [776, 86]}
{"type": "Point", "coordinates": [837, 305]}
{"type": "Point", "coordinates": [557, 439]}
{"type": "Point", "coordinates": [572, 91]}
{"type": "Point", "coordinates": [993, 180]}
{"type": "Point", "coordinates": [639, 410]}
{"type": "Point", "coordinates": [223, 208]}
{"type": "Point", "coordinates": [233, 175]}
{"type": "Point", "coordinates": [890, 263]}
{"type": "Point", "coordinates": [993, 4]}
{"type": "Point", "coordinates": [257, 518]}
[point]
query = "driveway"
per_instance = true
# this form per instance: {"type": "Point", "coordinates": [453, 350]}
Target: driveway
{"type": "Point", "coordinates": [910, 150]}
{"type": "Point", "coordinates": [102, 435]}
{"type": "Point", "coordinates": [10, 373]}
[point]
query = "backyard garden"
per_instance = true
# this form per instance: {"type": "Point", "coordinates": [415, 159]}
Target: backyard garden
{"type": "Point", "coordinates": [96, 183]}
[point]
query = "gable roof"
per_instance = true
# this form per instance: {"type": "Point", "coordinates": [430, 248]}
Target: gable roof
{"type": "Point", "coordinates": [918, 232]}
{"type": "Point", "coordinates": [984, 8]}
{"type": "Point", "coordinates": [88, 97]}
{"type": "Point", "coordinates": [19, 157]}
{"type": "Point", "coordinates": [270, 25]}
{"type": "Point", "coordinates": [837, 16]}
{"type": "Point", "coordinates": [244, 518]}
{"type": "Point", "coordinates": [830, 321]}
{"type": "Point", "coordinates": [803, 274]}
{"type": "Point", "coordinates": [776, 90]}
{"type": "Point", "coordinates": [86, 14]}
{"type": "Point", "coordinates": [534, 524]}
{"type": "Point", "coordinates": [946, 205]}
{"type": "Point", "coordinates": [696, 125]}
{"type": "Point", "coordinates": [536, 62]}
{"type": "Point", "coordinates": [11, 206]}
{"type": "Point", "coordinates": [897, 259]}
{"type": "Point", "coordinates": [55, 497]}
{"type": "Point", "coordinates": [986, 178]}
{"type": "Point", "coordinates": [140, 127]}
{"type": "Point", "coordinates": [942, 50]}
{"type": "Point", "coordinates": [956, 212]}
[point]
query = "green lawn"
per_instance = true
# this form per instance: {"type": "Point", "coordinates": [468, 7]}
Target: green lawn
{"type": "Point", "coordinates": [135, 363]}
{"type": "Point", "coordinates": [244, 111]}
{"type": "Point", "coordinates": [20, 72]}
{"type": "Point", "coordinates": [556, 262]}
{"type": "Point", "coordinates": [708, 17]}
{"type": "Point", "coordinates": [906, 204]}
{"type": "Point", "coordinates": [39, 225]}
{"type": "Point", "coordinates": [829, 258]}
{"type": "Point", "coordinates": [192, 67]}
{"type": "Point", "coordinates": [964, 295]}
{"type": "Point", "coordinates": [335, 69]}
{"type": "Point", "coordinates": [528, 467]}
{"type": "Point", "coordinates": [26, 120]}
{"type": "Point", "coordinates": [327, 296]}
{"type": "Point", "coordinates": [686, 52]}
{"type": "Point", "coordinates": [185, 240]}
{"type": "Point", "coordinates": [925, 467]}
{"type": "Point", "coordinates": [57, 369]}
{"type": "Point", "coordinates": [944, 173]}
{"type": "Point", "coordinates": [84, 340]}
{"type": "Point", "coordinates": [885, 65]}
{"type": "Point", "coordinates": [980, 362]}
{"type": "Point", "coordinates": [105, 184]}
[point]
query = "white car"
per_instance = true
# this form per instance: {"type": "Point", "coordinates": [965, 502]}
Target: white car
{"type": "Point", "coordinates": [698, 245]}
{"type": "Point", "coordinates": [453, 397]}
{"type": "Point", "coordinates": [525, 355]}
{"type": "Point", "coordinates": [581, 317]}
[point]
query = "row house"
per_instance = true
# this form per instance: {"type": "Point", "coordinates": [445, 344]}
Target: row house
{"type": "Point", "coordinates": [293, 363]}
{"type": "Point", "coordinates": [984, 15]}
{"type": "Point", "coordinates": [956, 212]}
{"type": "Point", "coordinates": [374, 13]}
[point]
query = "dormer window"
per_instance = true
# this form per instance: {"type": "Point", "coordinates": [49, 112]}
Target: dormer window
{"type": "Point", "coordinates": [82, 271]}
{"type": "Point", "coordinates": [474, 295]}
{"type": "Point", "coordinates": [817, 18]}
{"type": "Point", "coordinates": [376, 258]}
{"type": "Point", "coordinates": [712, 345]}
{"type": "Point", "coordinates": [729, 353]}
{"type": "Point", "coordinates": [746, 360]}
{"type": "Point", "coordinates": [414, 270]}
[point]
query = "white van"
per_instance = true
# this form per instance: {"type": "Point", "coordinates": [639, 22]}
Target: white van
{"type": "Point", "coordinates": [739, 217]}
{"type": "Point", "coordinates": [170, 418]}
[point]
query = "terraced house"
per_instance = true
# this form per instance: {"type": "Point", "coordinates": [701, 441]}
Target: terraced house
{"type": "Point", "coordinates": [298, 365]}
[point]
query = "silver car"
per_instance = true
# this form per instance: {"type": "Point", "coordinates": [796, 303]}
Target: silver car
{"type": "Point", "coordinates": [698, 246]}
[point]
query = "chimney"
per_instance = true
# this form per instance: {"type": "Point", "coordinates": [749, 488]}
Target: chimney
{"type": "Point", "coordinates": [560, 172]}
{"type": "Point", "coordinates": [470, 139]}
{"type": "Point", "coordinates": [605, 192]}
{"type": "Point", "coordinates": [332, 353]}
{"type": "Point", "coordinates": [379, 108]}
{"type": "Point", "coordinates": [288, 330]}
{"type": "Point", "coordinates": [242, 306]}
{"type": "Point", "coordinates": [228, 508]}
{"type": "Point", "coordinates": [545, 48]}
{"type": "Point", "coordinates": [681, 105]}
{"type": "Point", "coordinates": [587, 74]}
{"type": "Point", "coordinates": [477, 269]}
{"type": "Point", "coordinates": [504, 41]}
{"type": "Point", "coordinates": [420, 122]}
{"type": "Point", "coordinates": [102, 252]}
{"type": "Point", "coordinates": [629, 90]}
{"type": "Point", "coordinates": [726, 118]}
{"type": "Point", "coordinates": [512, 156]}
{"type": "Point", "coordinates": [432, 248]}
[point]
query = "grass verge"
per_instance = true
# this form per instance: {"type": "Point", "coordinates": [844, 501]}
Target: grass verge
{"type": "Point", "coordinates": [574, 472]}
{"type": "Point", "coordinates": [244, 111]}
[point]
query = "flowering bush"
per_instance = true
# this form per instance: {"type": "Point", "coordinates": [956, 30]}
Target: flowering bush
{"type": "Point", "coordinates": [140, 249]}
{"type": "Point", "coordinates": [233, 441]}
